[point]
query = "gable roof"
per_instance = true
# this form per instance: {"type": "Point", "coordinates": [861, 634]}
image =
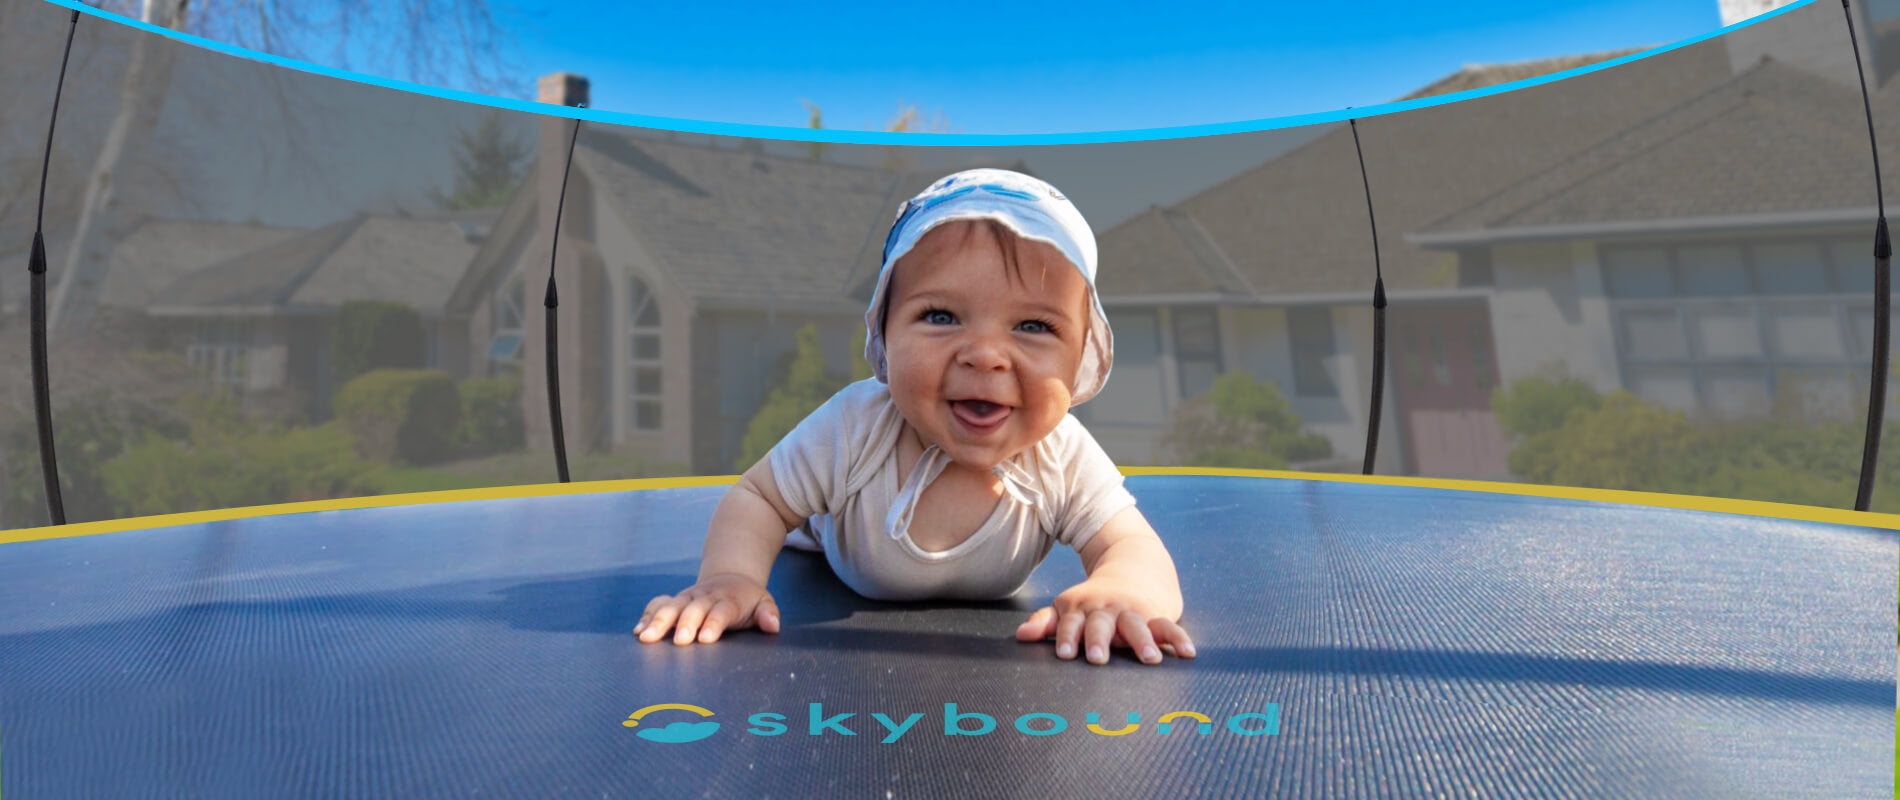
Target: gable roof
{"type": "Point", "coordinates": [1480, 76]}
{"type": "Point", "coordinates": [1297, 224]}
{"type": "Point", "coordinates": [1773, 141]}
{"type": "Point", "coordinates": [156, 253]}
{"type": "Point", "coordinates": [733, 228]}
{"type": "Point", "coordinates": [415, 261]}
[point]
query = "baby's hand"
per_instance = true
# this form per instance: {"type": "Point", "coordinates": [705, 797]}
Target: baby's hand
{"type": "Point", "coordinates": [708, 608]}
{"type": "Point", "coordinates": [1105, 614]}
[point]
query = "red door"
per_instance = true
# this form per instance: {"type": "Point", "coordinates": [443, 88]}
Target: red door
{"type": "Point", "coordinates": [1446, 371]}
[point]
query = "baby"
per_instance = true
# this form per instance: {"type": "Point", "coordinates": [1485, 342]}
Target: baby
{"type": "Point", "coordinates": [953, 471]}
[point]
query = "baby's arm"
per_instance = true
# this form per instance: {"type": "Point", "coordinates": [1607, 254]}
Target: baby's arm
{"type": "Point", "coordinates": [747, 531]}
{"type": "Point", "coordinates": [1132, 597]}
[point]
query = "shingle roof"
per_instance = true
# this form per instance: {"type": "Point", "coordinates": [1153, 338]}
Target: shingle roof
{"type": "Point", "coordinates": [749, 228]}
{"type": "Point", "coordinates": [1148, 258]}
{"type": "Point", "coordinates": [1297, 224]}
{"type": "Point", "coordinates": [1774, 139]}
{"type": "Point", "coordinates": [161, 252]}
{"type": "Point", "coordinates": [156, 253]}
{"type": "Point", "coordinates": [1480, 76]}
{"type": "Point", "coordinates": [416, 261]}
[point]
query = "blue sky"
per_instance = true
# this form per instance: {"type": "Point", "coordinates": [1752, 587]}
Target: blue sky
{"type": "Point", "coordinates": [1027, 68]}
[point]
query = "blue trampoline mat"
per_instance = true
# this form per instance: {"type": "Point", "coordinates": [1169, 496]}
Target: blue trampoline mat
{"type": "Point", "coordinates": [1406, 641]}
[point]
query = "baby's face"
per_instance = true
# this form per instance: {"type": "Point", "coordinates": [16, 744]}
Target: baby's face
{"type": "Point", "coordinates": [981, 357]}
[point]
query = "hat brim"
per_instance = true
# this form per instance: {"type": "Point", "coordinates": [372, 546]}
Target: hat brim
{"type": "Point", "coordinates": [1098, 347]}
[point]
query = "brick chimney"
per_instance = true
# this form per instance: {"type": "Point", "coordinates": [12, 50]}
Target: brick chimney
{"type": "Point", "coordinates": [562, 89]}
{"type": "Point", "coordinates": [551, 151]}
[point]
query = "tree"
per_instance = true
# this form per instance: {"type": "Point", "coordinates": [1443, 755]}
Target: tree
{"type": "Point", "coordinates": [413, 40]}
{"type": "Point", "coordinates": [817, 123]}
{"type": "Point", "coordinates": [488, 166]}
{"type": "Point", "coordinates": [904, 121]}
{"type": "Point", "coordinates": [369, 335]}
{"type": "Point", "coordinates": [802, 389]}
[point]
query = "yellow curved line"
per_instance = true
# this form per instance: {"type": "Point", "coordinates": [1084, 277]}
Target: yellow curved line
{"type": "Point", "coordinates": [352, 503]}
{"type": "Point", "coordinates": [1722, 505]}
{"type": "Point", "coordinates": [1757, 508]}
{"type": "Point", "coordinates": [1122, 731]}
{"type": "Point", "coordinates": [634, 718]}
{"type": "Point", "coordinates": [1194, 714]}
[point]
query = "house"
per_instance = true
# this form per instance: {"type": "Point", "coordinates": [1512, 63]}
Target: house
{"type": "Point", "coordinates": [1272, 270]}
{"type": "Point", "coordinates": [683, 270]}
{"type": "Point", "coordinates": [684, 266]}
{"type": "Point", "coordinates": [260, 320]}
{"type": "Point", "coordinates": [1713, 258]}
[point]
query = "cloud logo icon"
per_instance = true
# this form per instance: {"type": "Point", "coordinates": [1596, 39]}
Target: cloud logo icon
{"type": "Point", "coordinates": [680, 732]}
{"type": "Point", "coordinates": [677, 732]}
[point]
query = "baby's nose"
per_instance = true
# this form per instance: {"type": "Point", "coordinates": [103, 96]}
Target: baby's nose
{"type": "Point", "coordinates": [985, 353]}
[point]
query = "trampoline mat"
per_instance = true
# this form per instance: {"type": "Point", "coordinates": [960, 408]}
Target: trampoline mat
{"type": "Point", "coordinates": [1406, 641]}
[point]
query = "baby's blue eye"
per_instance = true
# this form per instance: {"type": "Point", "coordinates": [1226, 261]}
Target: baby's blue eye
{"type": "Point", "coordinates": [1036, 326]}
{"type": "Point", "coordinates": [938, 316]}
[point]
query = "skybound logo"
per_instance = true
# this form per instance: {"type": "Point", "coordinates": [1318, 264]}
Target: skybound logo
{"type": "Point", "coordinates": [955, 723]}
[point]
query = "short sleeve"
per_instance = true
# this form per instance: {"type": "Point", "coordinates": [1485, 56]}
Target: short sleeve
{"type": "Point", "coordinates": [812, 464]}
{"type": "Point", "coordinates": [1094, 491]}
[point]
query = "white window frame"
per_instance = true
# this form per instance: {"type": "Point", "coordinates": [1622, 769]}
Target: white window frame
{"type": "Point", "coordinates": [508, 313]}
{"type": "Point", "coordinates": [221, 346]}
{"type": "Point", "coordinates": [640, 298]}
{"type": "Point", "coordinates": [1841, 302]}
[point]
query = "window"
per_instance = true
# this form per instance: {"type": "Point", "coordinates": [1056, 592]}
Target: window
{"type": "Point", "coordinates": [221, 347]}
{"type": "Point", "coordinates": [643, 355]}
{"type": "Point", "coordinates": [1196, 350]}
{"type": "Point", "coordinates": [1311, 331]}
{"type": "Point", "coordinates": [1728, 329]}
{"type": "Point", "coordinates": [507, 310]}
{"type": "Point", "coordinates": [1135, 395]}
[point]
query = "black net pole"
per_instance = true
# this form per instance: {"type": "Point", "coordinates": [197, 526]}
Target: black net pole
{"type": "Point", "coordinates": [1378, 314]}
{"type": "Point", "coordinates": [36, 266]}
{"type": "Point", "coordinates": [551, 302]}
{"type": "Point", "coordinates": [1883, 257]}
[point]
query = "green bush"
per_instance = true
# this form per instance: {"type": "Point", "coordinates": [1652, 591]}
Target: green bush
{"type": "Point", "coordinates": [87, 432]}
{"type": "Point", "coordinates": [402, 415]}
{"type": "Point", "coordinates": [802, 387]}
{"type": "Point", "coordinates": [1245, 423]}
{"type": "Point", "coordinates": [491, 415]}
{"type": "Point", "coordinates": [372, 334]}
{"type": "Point", "coordinates": [1541, 404]}
{"type": "Point", "coordinates": [230, 462]}
{"type": "Point", "coordinates": [1567, 435]}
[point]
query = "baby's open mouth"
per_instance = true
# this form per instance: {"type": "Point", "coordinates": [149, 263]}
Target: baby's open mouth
{"type": "Point", "coordinates": [981, 415]}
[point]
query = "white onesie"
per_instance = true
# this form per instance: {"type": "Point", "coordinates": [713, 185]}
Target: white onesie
{"type": "Point", "coordinates": [838, 468]}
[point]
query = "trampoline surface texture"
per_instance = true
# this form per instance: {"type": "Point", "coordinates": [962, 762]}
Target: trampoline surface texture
{"type": "Point", "coordinates": [1407, 642]}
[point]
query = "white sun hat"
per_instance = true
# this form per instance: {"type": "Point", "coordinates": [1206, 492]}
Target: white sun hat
{"type": "Point", "coordinates": [1033, 210]}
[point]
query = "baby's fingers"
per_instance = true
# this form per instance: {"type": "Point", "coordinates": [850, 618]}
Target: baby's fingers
{"type": "Point", "coordinates": [1170, 632]}
{"type": "Point", "coordinates": [658, 618]}
{"type": "Point", "coordinates": [766, 615]}
{"type": "Point", "coordinates": [1134, 631]}
{"type": "Point", "coordinates": [690, 618]}
{"type": "Point", "coordinates": [717, 619]}
{"type": "Point", "coordinates": [1040, 625]}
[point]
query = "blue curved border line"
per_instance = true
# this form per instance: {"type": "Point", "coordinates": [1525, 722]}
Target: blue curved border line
{"type": "Point", "coordinates": [753, 131]}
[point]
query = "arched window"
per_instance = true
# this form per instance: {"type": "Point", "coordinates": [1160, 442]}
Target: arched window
{"type": "Point", "coordinates": [643, 355]}
{"type": "Point", "coordinates": [508, 313]}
